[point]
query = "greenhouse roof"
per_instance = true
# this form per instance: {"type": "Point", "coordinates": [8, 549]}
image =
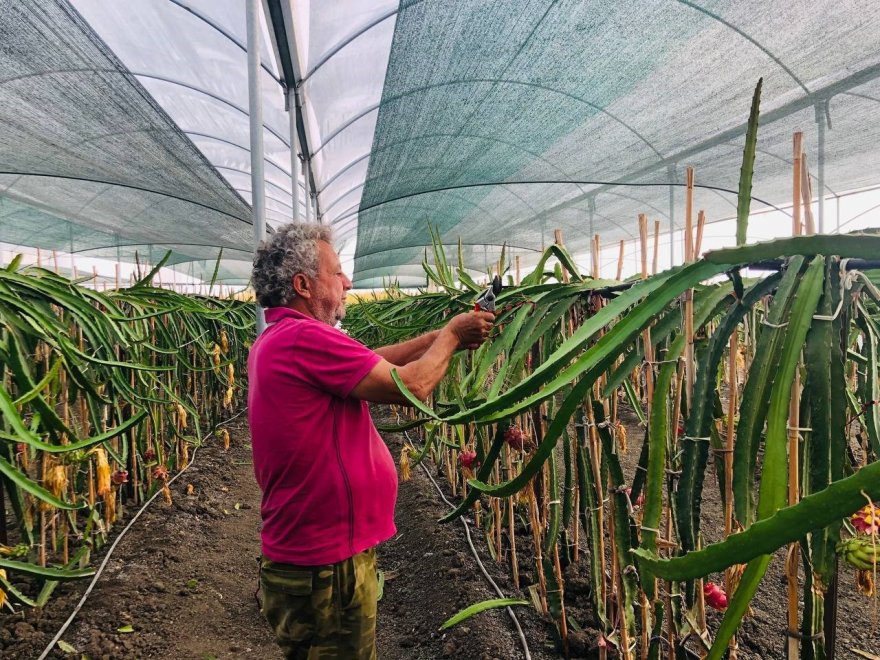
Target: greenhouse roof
{"type": "Point", "coordinates": [124, 126]}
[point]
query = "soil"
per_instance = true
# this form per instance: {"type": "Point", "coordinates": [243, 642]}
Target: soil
{"type": "Point", "coordinates": [763, 633]}
{"type": "Point", "coordinates": [184, 578]}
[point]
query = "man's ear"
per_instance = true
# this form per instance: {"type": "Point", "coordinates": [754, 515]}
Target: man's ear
{"type": "Point", "coordinates": [301, 286]}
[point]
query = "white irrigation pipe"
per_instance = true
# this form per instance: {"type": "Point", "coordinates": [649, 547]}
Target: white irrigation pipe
{"type": "Point", "coordinates": [467, 531]}
{"type": "Point", "coordinates": [125, 529]}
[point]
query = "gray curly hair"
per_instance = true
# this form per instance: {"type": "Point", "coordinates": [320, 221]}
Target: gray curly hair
{"type": "Point", "coordinates": [292, 249]}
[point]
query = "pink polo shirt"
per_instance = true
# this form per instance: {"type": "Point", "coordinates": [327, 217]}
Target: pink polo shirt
{"type": "Point", "coordinates": [328, 480]}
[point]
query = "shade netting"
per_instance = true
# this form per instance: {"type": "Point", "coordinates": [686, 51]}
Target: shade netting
{"type": "Point", "coordinates": [502, 121]}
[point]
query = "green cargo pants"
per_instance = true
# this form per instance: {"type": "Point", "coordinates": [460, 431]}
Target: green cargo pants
{"type": "Point", "coordinates": [323, 612]}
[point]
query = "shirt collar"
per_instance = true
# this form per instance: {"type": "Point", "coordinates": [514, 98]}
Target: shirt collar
{"type": "Point", "coordinates": [275, 314]}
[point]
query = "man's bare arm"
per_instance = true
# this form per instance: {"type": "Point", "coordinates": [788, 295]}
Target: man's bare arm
{"type": "Point", "coordinates": [407, 351]}
{"type": "Point", "coordinates": [422, 375]}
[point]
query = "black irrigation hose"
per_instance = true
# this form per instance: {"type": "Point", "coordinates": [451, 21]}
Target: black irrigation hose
{"type": "Point", "coordinates": [467, 531]}
{"type": "Point", "coordinates": [116, 541]}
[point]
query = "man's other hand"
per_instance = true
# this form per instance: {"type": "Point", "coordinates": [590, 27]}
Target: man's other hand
{"type": "Point", "coordinates": [472, 328]}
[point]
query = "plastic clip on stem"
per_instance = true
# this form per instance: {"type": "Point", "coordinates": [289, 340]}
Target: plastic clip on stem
{"type": "Point", "coordinates": [486, 301]}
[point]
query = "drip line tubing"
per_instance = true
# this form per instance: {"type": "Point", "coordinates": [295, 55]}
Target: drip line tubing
{"type": "Point", "coordinates": [467, 531]}
{"type": "Point", "coordinates": [116, 541]}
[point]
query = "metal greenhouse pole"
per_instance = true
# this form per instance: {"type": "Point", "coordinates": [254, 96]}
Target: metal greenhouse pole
{"type": "Point", "coordinates": [255, 103]}
{"type": "Point", "coordinates": [671, 175]}
{"type": "Point", "coordinates": [290, 97]}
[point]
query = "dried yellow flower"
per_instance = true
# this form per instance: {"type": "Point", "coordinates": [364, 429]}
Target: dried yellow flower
{"type": "Point", "coordinates": [223, 434]}
{"type": "Point", "coordinates": [182, 418]}
{"type": "Point", "coordinates": [865, 583]}
{"type": "Point", "coordinates": [103, 472]}
{"type": "Point", "coordinates": [621, 437]}
{"type": "Point", "coordinates": [56, 480]}
{"type": "Point", "coordinates": [224, 342]}
{"type": "Point", "coordinates": [215, 350]}
{"type": "Point", "coordinates": [405, 464]}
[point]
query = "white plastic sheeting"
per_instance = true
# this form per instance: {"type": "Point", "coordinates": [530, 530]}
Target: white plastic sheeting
{"type": "Point", "coordinates": [190, 55]}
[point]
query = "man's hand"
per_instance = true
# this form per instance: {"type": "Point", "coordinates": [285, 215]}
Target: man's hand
{"type": "Point", "coordinates": [471, 328]}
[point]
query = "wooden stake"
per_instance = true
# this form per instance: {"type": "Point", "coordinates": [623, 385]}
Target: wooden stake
{"type": "Point", "coordinates": [535, 524]}
{"type": "Point", "coordinates": [516, 261]}
{"type": "Point", "coordinates": [511, 521]}
{"type": "Point", "coordinates": [557, 238]}
{"type": "Point", "coordinates": [807, 197]}
{"type": "Point", "coordinates": [620, 261]}
{"type": "Point", "coordinates": [689, 217]}
{"type": "Point", "coordinates": [656, 246]}
{"type": "Point", "coordinates": [797, 151]}
{"type": "Point", "coordinates": [701, 224]}
{"type": "Point", "coordinates": [732, 395]}
{"type": "Point", "coordinates": [649, 396]}
{"type": "Point", "coordinates": [791, 563]}
{"type": "Point", "coordinates": [689, 294]}
{"type": "Point", "coordinates": [596, 250]}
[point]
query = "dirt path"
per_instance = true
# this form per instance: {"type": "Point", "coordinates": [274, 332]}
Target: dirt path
{"type": "Point", "coordinates": [184, 579]}
{"type": "Point", "coordinates": [431, 574]}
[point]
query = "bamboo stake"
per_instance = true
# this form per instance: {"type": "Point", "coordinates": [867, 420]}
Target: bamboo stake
{"type": "Point", "coordinates": [496, 511]}
{"type": "Point", "coordinates": [596, 250]}
{"type": "Point", "coordinates": [563, 623]}
{"type": "Point", "coordinates": [557, 238]}
{"type": "Point", "coordinates": [796, 184]}
{"type": "Point", "coordinates": [689, 217]}
{"type": "Point", "coordinates": [701, 224]}
{"type": "Point", "coordinates": [595, 453]}
{"type": "Point", "coordinates": [732, 403]}
{"type": "Point", "coordinates": [656, 247]}
{"type": "Point", "coordinates": [689, 347]}
{"type": "Point", "coordinates": [807, 197]}
{"type": "Point", "coordinates": [516, 261]}
{"type": "Point", "coordinates": [649, 392]}
{"type": "Point", "coordinates": [791, 563]}
{"type": "Point", "coordinates": [731, 429]}
{"type": "Point", "coordinates": [535, 524]}
{"type": "Point", "coordinates": [620, 262]}
{"type": "Point", "coordinates": [511, 522]}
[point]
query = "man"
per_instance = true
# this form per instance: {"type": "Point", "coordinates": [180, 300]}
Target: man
{"type": "Point", "coordinates": [329, 483]}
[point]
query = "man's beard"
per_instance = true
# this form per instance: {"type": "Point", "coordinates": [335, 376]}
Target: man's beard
{"type": "Point", "coordinates": [332, 316]}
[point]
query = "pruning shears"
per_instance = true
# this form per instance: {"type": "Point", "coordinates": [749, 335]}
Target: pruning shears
{"type": "Point", "coordinates": [486, 300]}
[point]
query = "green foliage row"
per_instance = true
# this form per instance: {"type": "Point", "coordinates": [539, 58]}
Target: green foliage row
{"type": "Point", "coordinates": [96, 386]}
